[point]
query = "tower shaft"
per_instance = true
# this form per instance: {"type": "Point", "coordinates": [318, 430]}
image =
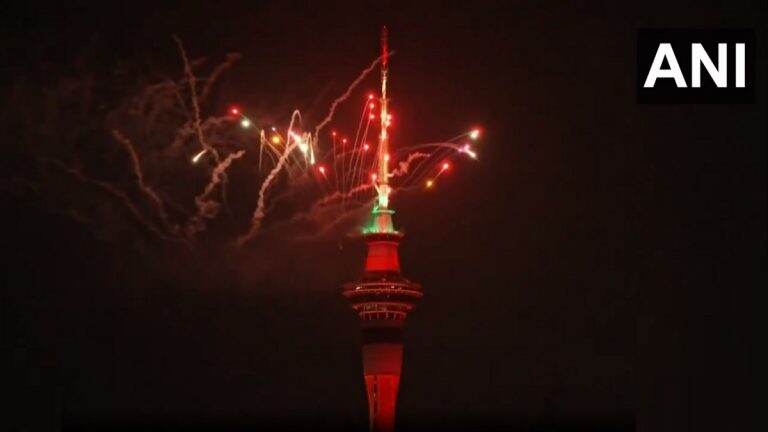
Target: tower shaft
{"type": "Point", "coordinates": [382, 299]}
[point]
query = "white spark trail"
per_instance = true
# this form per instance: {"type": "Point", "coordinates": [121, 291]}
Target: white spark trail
{"type": "Point", "coordinates": [206, 207]}
{"type": "Point", "coordinates": [193, 96]}
{"type": "Point", "coordinates": [259, 213]}
{"type": "Point", "coordinates": [143, 185]}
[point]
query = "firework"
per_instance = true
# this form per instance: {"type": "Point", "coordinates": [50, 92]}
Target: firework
{"type": "Point", "coordinates": [340, 171]}
{"type": "Point", "coordinates": [348, 157]}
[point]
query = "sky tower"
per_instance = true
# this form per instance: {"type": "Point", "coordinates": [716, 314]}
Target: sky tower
{"type": "Point", "coordinates": [382, 297]}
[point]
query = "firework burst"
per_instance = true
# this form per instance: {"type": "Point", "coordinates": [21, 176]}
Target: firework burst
{"type": "Point", "coordinates": [173, 138]}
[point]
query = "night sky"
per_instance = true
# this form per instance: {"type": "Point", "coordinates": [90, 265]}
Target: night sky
{"type": "Point", "coordinates": [592, 271]}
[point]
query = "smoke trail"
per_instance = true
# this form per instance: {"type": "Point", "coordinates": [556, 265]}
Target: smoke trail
{"type": "Point", "coordinates": [259, 213]}
{"type": "Point", "coordinates": [346, 94]}
{"type": "Point", "coordinates": [220, 69]}
{"type": "Point", "coordinates": [193, 96]}
{"type": "Point", "coordinates": [115, 192]}
{"type": "Point", "coordinates": [149, 93]}
{"type": "Point", "coordinates": [189, 129]}
{"type": "Point", "coordinates": [145, 188]}
{"type": "Point", "coordinates": [418, 174]}
{"type": "Point", "coordinates": [356, 213]}
{"type": "Point", "coordinates": [404, 166]}
{"type": "Point", "coordinates": [208, 208]}
{"type": "Point", "coordinates": [443, 144]}
{"type": "Point", "coordinates": [221, 176]}
{"type": "Point", "coordinates": [339, 195]}
{"type": "Point", "coordinates": [326, 203]}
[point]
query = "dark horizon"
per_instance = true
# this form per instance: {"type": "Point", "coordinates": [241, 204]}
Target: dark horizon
{"type": "Point", "coordinates": [592, 271]}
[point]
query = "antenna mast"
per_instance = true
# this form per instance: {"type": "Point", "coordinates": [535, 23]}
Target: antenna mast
{"type": "Point", "coordinates": [382, 187]}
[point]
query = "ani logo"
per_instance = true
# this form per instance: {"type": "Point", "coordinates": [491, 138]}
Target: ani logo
{"type": "Point", "coordinates": [695, 66]}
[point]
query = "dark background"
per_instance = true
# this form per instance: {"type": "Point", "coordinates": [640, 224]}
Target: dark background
{"type": "Point", "coordinates": [594, 271]}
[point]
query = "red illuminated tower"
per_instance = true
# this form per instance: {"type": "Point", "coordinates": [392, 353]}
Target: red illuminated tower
{"type": "Point", "coordinates": [382, 297]}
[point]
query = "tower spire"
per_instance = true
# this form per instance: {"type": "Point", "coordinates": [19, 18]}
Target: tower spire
{"type": "Point", "coordinates": [383, 177]}
{"type": "Point", "coordinates": [382, 215]}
